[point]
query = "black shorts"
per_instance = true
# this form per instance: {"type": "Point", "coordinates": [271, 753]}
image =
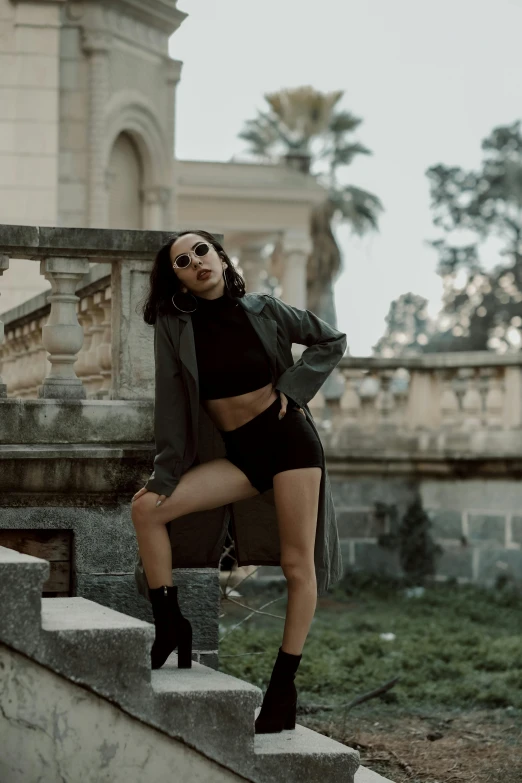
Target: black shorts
{"type": "Point", "coordinates": [266, 445]}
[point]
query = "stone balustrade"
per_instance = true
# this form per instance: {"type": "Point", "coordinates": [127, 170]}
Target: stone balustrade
{"type": "Point", "coordinates": [465, 402]}
{"type": "Point", "coordinates": [446, 428]}
{"type": "Point", "coordinates": [81, 339]}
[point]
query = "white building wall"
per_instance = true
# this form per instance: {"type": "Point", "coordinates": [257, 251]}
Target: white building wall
{"type": "Point", "coordinates": [29, 130]}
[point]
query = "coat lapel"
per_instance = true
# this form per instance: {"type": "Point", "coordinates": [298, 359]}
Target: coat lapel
{"type": "Point", "coordinates": [187, 347]}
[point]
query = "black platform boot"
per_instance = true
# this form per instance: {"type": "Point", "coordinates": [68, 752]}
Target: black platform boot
{"type": "Point", "coordinates": [172, 629]}
{"type": "Point", "coordinates": [280, 701]}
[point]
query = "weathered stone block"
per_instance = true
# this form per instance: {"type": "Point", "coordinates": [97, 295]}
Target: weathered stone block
{"type": "Point", "coordinates": [499, 562]}
{"type": "Point", "coordinates": [365, 491]}
{"type": "Point", "coordinates": [376, 559]}
{"type": "Point", "coordinates": [446, 524]}
{"type": "Point", "coordinates": [104, 537]}
{"type": "Point", "coordinates": [198, 599]}
{"type": "Point", "coordinates": [487, 527]}
{"type": "Point", "coordinates": [516, 530]}
{"type": "Point", "coordinates": [359, 523]}
{"type": "Point", "coordinates": [455, 562]}
{"type": "Point", "coordinates": [347, 547]}
{"type": "Point", "coordinates": [460, 495]}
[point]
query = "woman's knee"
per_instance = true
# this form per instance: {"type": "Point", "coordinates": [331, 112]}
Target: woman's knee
{"type": "Point", "coordinates": [298, 569]}
{"type": "Point", "coordinates": [142, 508]}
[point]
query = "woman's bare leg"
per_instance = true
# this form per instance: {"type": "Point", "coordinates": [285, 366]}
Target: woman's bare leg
{"type": "Point", "coordinates": [214, 483]}
{"type": "Point", "coordinates": [296, 494]}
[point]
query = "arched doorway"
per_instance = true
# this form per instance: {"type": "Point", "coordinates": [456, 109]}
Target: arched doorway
{"type": "Point", "coordinates": [125, 184]}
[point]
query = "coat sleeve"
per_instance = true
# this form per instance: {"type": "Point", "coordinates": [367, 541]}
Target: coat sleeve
{"type": "Point", "coordinates": [169, 414]}
{"type": "Point", "coordinates": [325, 348]}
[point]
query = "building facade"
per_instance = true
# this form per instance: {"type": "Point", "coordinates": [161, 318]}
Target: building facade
{"type": "Point", "coordinates": [87, 134]}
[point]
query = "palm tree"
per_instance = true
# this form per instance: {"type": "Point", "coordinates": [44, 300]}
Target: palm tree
{"type": "Point", "coordinates": [303, 127]}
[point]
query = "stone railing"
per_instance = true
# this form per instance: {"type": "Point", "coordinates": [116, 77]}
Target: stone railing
{"type": "Point", "coordinates": [458, 401]}
{"type": "Point", "coordinates": [73, 456]}
{"type": "Point", "coordinates": [81, 339]}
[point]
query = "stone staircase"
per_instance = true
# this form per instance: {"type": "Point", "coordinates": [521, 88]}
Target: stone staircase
{"type": "Point", "coordinates": [108, 653]}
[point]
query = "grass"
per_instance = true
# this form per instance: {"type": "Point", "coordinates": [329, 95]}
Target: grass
{"type": "Point", "coordinates": [455, 646]}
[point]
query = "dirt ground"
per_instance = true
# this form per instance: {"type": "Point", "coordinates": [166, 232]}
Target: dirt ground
{"type": "Point", "coordinates": [479, 746]}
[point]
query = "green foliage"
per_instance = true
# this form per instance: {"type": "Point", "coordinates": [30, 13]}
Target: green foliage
{"type": "Point", "coordinates": [483, 311]}
{"type": "Point", "coordinates": [304, 128]}
{"type": "Point", "coordinates": [411, 536]}
{"type": "Point", "coordinates": [408, 327]}
{"type": "Point", "coordinates": [456, 646]}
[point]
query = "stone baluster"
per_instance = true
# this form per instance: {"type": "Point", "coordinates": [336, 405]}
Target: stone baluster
{"type": "Point", "coordinates": [494, 397]}
{"type": "Point", "coordinates": [350, 402]}
{"type": "Point", "coordinates": [19, 345]}
{"type": "Point", "coordinates": [471, 400]}
{"type": "Point", "coordinates": [423, 407]}
{"type": "Point", "coordinates": [85, 319]}
{"type": "Point", "coordinates": [11, 365]}
{"type": "Point", "coordinates": [4, 264]}
{"type": "Point", "coordinates": [512, 413]}
{"type": "Point", "coordinates": [92, 377]}
{"type": "Point", "coordinates": [62, 336]}
{"type": "Point", "coordinates": [35, 354]}
{"type": "Point", "coordinates": [104, 350]}
{"type": "Point", "coordinates": [8, 363]}
{"type": "Point", "coordinates": [449, 402]}
{"type": "Point", "coordinates": [384, 402]}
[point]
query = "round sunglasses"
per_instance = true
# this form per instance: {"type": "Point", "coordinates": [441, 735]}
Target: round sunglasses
{"type": "Point", "coordinates": [183, 260]}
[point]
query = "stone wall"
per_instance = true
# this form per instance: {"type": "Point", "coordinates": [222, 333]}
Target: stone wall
{"type": "Point", "coordinates": [477, 521]}
{"type": "Point", "coordinates": [59, 718]}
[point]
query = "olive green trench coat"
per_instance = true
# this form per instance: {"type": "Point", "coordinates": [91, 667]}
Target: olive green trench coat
{"type": "Point", "coordinates": [185, 436]}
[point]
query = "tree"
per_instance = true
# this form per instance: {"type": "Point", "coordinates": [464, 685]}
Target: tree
{"type": "Point", "coordinates": [304, 128]}
{"type": "Point", "coordinates": [484, 309]}
{"type": "Point", "coordinates": [408, 327]}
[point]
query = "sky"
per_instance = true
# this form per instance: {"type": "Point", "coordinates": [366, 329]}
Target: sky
{"type": "Point", "coordinates": [429, 79]}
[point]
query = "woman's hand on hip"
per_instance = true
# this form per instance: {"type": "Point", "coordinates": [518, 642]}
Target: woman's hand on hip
{"type": "Point", "coordinates": [284, 405]}
{"type": "Point", "coordinates": [142, 491]}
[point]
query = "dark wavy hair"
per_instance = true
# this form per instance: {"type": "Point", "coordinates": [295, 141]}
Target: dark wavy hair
{"type": "Point", "coordinates": [164, 282]}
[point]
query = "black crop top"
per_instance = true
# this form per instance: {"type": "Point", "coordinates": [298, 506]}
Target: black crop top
{"type": "Point", "coordinates": [230, 356]}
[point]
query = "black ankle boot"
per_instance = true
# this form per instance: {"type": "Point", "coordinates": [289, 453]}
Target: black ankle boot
{"type": "Point", "coordinates": [280, 701]}
{"type": "Point", "coordinates": [172, 629]}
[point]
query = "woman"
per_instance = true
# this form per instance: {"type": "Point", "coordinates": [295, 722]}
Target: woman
{"type": "Point", "coordinates": [230, 353]}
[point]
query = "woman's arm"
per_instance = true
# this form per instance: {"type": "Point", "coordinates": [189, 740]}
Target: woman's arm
{"type": "Point", "coordinates": [170, 428]}
{"type": "Point", "coordinates": [325, 348]}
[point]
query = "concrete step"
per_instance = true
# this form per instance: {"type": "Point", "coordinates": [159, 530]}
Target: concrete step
{"type": "Point", "coordinates": [109, 653]}
{"type": "Point", "coordinates": [95, 645]}
{"type": "Point", "coordinates": [22, 578]}
{"type": "Point", "coordinates": [365, 775]}
{"type": "Point", "coordinates": [206, 706]}
{"type": "Point", "coordinates": [301, 754]}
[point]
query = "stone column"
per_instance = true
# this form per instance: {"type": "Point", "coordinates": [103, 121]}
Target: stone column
{"type": "Point", "coordinates": [172, 77]}
{"type": "Point", "coordinates": [4, 264]}
{"type": "Point", "coordinates": [156, 200]}
{"type": "Point", "coordinates": [132, 339]}
{"type": "Point", "coordinates": [62, 335]}
{"type": "Point", "coordinates": [295, 250]}
{"type": "Point", "coordinates": [255, 266]}
{"type": "Point", "coordinates": [97, 44]}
